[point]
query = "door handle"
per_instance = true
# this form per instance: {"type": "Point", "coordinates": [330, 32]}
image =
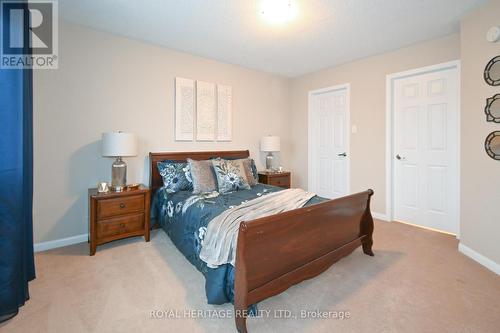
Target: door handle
{"type": "Point", "coordinates": [399, 158]}
{"type": "Point", "coordinates": [343, 154]}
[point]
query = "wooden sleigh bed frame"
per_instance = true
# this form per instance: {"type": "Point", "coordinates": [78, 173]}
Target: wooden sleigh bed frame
{"type": "Point", "coordinates": [278, 251]}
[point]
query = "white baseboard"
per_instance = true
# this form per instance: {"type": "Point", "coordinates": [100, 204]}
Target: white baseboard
{"type": "Point", "coordinates": [380, 216]}
{"type": "Point", "coordinates": [60, 242]}
{"type": "Point", "coordinates": [486, 262]}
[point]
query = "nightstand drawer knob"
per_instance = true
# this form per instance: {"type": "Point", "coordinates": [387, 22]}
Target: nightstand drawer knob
{"type": "Point", "coordinates": [122, 205]}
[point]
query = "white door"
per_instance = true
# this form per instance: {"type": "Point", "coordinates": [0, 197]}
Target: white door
{"type": "Point", "coordinates": [329, 142]}
{"type": "Point", "coordinates": [426, 149]}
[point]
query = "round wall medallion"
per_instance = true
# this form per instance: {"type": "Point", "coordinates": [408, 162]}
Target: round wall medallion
{"type": "Point", "coordinates": [492, 109]}
{"type": "Point", "coordinates": [492, 72]}
{"type": "Point", "coordinates": [492, 145]}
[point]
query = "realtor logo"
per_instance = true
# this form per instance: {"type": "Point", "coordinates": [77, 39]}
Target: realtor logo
{"type": "Point", "coordinates": [29, 34]}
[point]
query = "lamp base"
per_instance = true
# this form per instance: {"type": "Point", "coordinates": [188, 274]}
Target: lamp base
{"type": "Point", "coordinates": [118, 175]}
{"type": "Point", "coordinates": [269, 161]}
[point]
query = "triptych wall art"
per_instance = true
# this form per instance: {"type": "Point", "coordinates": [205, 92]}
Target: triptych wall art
{"type": "Point", "coordinates": [203, 110]}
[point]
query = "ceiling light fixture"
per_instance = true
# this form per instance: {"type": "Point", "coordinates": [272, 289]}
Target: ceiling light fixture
{"type": "Point", "coordinates": [278, 11]}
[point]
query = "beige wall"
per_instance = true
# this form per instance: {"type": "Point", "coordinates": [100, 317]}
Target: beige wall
{"type": "Point", "coordinates": [368, 79]}
{"type": "Point", "coordinates": [104, 83]}
{"type": "Point", "coordinates": [107, 82]}
{"type": "Point", "coordinates": [480, 175]}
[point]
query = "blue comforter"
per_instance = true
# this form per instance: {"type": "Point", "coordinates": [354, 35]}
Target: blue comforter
{"type": "Point", "coordinates": [184, 216]}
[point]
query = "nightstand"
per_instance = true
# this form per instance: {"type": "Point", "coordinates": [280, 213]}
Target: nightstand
{"type": "Point", "coordinates": [281, 179]}
{"type": "Point", "coordinates": [117, 215]}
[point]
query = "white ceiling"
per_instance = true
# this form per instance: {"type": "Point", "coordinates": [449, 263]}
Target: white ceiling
{"type": "Point", "coordinates": [325, 32]}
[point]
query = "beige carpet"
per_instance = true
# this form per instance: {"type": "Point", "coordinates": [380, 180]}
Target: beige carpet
{"type": "Point", "coordinates": [417, 282]}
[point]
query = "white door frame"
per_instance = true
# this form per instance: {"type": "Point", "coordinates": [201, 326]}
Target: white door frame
{"type": "Point", "coordinates": [389, 154]}
{"type": "Point", "coordinates": [347, 88]}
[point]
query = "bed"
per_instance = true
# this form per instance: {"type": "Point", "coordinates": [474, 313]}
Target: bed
{"type": "Point", "coordinates": [274, 252]}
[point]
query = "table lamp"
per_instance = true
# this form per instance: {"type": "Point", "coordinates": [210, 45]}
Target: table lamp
{"type": "Point", "coordinates": [119, 144]}
{"type": "Point", "coordinates": [270, 144]}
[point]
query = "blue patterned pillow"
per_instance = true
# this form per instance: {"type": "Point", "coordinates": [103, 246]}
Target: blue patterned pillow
{"type": "Point", "coordinates": [230, 175]}
{"type": "Point", "coordinates": [176, 176]}
{"type": "Point", "coordinates": [249, 166]}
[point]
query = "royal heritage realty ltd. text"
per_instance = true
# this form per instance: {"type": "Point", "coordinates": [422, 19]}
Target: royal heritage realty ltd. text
{"type": "Point", "coordinates": [277, 313]}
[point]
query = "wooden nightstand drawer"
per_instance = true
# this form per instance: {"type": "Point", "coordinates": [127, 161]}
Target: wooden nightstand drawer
{"type": "Point", "coordinates": [120, 206]}
{"type": "Point", "coordinates": [280, 181]}
{"type": "Point", "coordinates": [117, 215]}
{"type": "Point", "coordinates": [120, 225]}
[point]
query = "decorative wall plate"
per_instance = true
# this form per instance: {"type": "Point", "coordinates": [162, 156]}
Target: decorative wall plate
{"type": "Point", "coordinates": [492, 109]}
{"type": "Point", "coordinates": [492, 145]}
{"type": "Point", "coordinates": [492, 72]}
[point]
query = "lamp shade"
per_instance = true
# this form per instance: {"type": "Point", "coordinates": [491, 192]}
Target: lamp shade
{"type": "Point", "coordinates": [270, 143]}
{"type": "Point", "coordinates": [119, 144]}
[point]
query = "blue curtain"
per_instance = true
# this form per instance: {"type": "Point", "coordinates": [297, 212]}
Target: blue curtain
{"type": "Point", "coordinates": [16, 189]}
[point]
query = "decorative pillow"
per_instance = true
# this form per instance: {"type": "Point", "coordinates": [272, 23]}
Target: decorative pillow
{"type": "Point", "coordinates": [251, 171]}
{"type": "Point", "coordinates": [202, 175]}
{"type": "Point", "coordinates": [230, 175]}
{"type": "Point", "coordinates": [176, 176]}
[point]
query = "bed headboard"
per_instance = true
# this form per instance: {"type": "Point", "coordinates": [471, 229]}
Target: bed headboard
{"type": "Point", "coordinates": [155, 180]}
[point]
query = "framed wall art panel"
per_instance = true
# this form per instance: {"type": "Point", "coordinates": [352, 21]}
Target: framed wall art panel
{"type": "Point", "coordinates": [205, 111]}
{"type": "Point", "coordinates": [224, 112]}
{"type": "Point", "coordinates": [184, 109]}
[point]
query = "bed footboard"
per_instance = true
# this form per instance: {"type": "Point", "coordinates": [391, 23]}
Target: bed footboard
{"type": "Point", "coordinates": [278, 251]}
